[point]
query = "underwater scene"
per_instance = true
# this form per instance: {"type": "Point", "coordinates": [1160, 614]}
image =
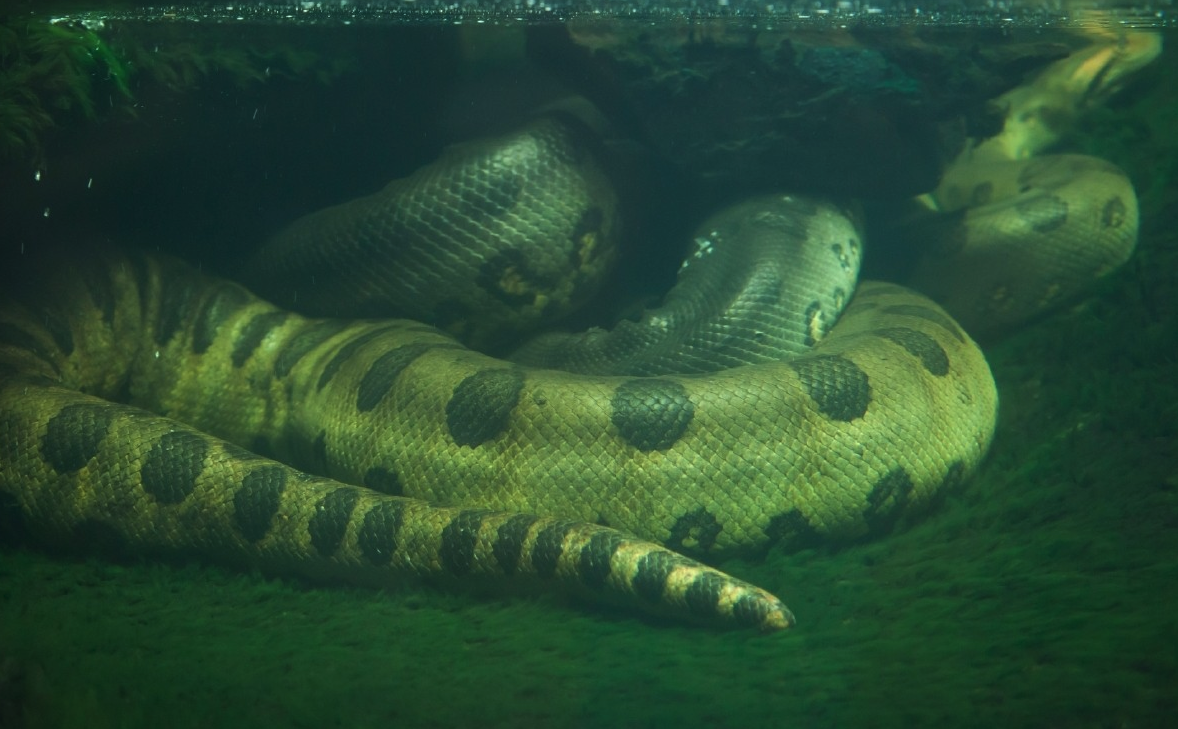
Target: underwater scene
{"type": "Point", "coordinates": [588, 364]}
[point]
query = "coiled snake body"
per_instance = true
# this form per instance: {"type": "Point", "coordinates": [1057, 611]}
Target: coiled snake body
{"type": "Point", "coordinates": [465, 466]}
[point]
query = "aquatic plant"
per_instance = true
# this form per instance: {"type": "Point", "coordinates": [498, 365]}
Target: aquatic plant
{"type": "Point", "coordinates": [48, 69]}
{"type": "Point", "coordinates": [51, 69]}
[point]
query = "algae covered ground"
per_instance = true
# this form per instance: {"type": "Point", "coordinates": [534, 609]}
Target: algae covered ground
{"type": "Point", "coordinates": [1042, 593]}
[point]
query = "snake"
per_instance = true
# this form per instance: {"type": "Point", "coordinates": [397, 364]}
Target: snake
{"type": "Point", "coordinates": [147, 405]}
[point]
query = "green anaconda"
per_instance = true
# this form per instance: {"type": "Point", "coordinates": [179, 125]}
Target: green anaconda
{"type": "Point", "coordinates": [131, 387]}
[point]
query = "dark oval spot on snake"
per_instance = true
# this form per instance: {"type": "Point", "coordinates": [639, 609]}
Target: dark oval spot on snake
{"type": "Point", "coordinates": [509, 541]}
{"type": "Point", "coordinates": [651, 414]}
{"type": "Point", "coordinates": [920, 345]}
{"type": "Point", "coordinates": [886, 500]}
{"type": "Point", "coordinates": [330, 522]}
{"type": "Point", "coordinates": [217, 307]}
{"type": "Point", "coordinates": [384, 480]}
{"type": "Point", "coordinates": [837, 385]}
{"type": "Point", "coordinates": [459, 539]}
{"type": "Point", "coordinates": [380, 531]}
{"type": "Point", "coordinates": [1044, 213]}
{"type": "Point", "coordinates": [301, 344]}
{"type": "Point", "coordinates": [595, 562]}
{"type": "Point", "coordinates": [703, 594]}
{"type": "Point", "coordinates": [549, 547]}
{"type": "Point", "coordinates": [74, 435]}
{"type": "Point", "coordinates": [256, 501]}
{"type": "Point", "coordinates": [650, 579]}
{"type": "Point", "coordinates": [812, 324]}
{"type": "Point", "coordinates": [482, 404]}
{"type": "Point", "coordinates": [509, 277]}
{"type": "Point", "coordinates": [176, 303]}
{"type": "Point", "coordinates": [927, 314]}
{"type": "Point", "coordinates": [1113, 214]}
{"type": "Point", "coordinates": [790, 531]}
{"type": "Point", "coordinates": [172, 466]}
{"type": "Point", "coordinates": [750, 610]}
{"type": "Point", "coordinates": [346, 352]}
{"type": "Point", "coordinates": [695, 531]}
{"type": "Point", "coordinates": [253, 333]}
{"type": "Point", "coordinates": [383, 373]}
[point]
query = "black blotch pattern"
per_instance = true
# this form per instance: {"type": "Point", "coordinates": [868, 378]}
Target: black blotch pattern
{"type": "Point", "coordinates": [459, 539]}
{"type": "Point", "coordinates": [495, 270]}
{"type": "Point", "coordinates": [509, 541]}
{"type": "Point", "coordinates": [330, 522]}
{"type": "Point", "coordinates": [837, 385]}
{"type": "Point", "coordinates": [1044, 213]}
{"type": "Point", "coordinates": [172, 466]}
{"type": "Point", "coordinates": [176, 302]}
{"type": "Point", "coordinates": [954, 477]}
{"type": "Point", "coordinates": [595, 562]}
{"type": "Point", "coordinates": [841, 253]}
{"type": "Point", "coordinates": [253, 333]}
{"type": "Point", "coordinates": [383, 373]}
{"type": "Point", "coordinates": [302, 343]}
{"type": "Point", "coordinates": [651, 414]}
{"type": "Point", "coordinates": [74, 435]}
{"type": "Point", "coordinates": [929, 315]}
{"type": "Point", "coordinates": [920, 345]}
{"type": "Point", "coordinates": [791, 532]}
{"type": "Point", "coordinates": [384, 480]}
{"type": "Point", "coordinates": [590, 222]}
{"type": "Point", "coordinates": [13, 335]}
{"type": "Point", "coordinates": [748, 610]}
{"type": "Point", "coordinates": [695, 531]}
{"type": "Point", "coordinates": [810, 318]}
{"type": "Point", "coordinates": [1113, 214]}
{"type": "Point", "coordinates": [886, 501]}
{"type": "Point", "coordinates": [379, 533]}
{"type": "Point", "coordinates": [549, 547]}
{"type": "Point", "coordinates": [213, 312]}
{"type": "Point", "coordinates": [481, 405]}
{"type": "Point", "coordinates": [653, 570]}
{"type": "Point", "coordinates": [344, 353]}
{"type": "Point", "coordinates": [256, 502]}
{"type": "Point", "coordinates": [703, 595]}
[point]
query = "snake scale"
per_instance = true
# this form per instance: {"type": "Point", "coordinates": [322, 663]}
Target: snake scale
{"type": "Point", "coordinates": [148, 404]}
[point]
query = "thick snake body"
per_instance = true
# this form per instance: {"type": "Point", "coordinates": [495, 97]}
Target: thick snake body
{"type": "Point", "coordinates": [464, 466]}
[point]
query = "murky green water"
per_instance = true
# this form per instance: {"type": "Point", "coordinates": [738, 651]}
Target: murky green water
{"type": "Point", "coordinates": [1039, 593]}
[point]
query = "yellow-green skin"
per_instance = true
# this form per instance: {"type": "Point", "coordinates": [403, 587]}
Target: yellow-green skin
{"type": "Point", "coordinates": [75, 466]}
{"type": "Point", "coordinates": [468, 468]}
{"type": "Point", "coordinates": [892, 404]}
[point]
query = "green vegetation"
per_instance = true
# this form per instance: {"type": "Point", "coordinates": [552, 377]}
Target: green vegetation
{"type": "Point", "coordinates": [50, 71]}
